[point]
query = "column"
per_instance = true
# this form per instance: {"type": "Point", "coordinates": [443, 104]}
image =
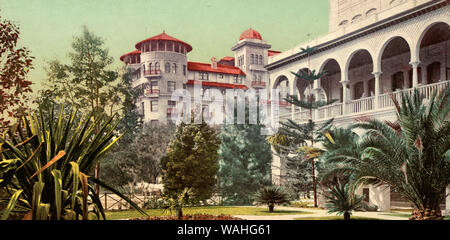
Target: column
{"type": "Point", "coordinates": [292, 92]}
{"type": "Point", "coordinates": [447, 201]}
{"type": "Point", "coordinates": [405, 79]}
{"type": "Point", "coordinates": [415, 77]}
{"type": "Point", "coordinates": [345, 95]}
{"type": "Point", "coordinates": [366, 88]}
{"type": "Point", "coordinates": [316, 96]}
{"type": "Point", "coordinates": [377, 89]}
{"type": "Point", "coordinates": [381, 197]}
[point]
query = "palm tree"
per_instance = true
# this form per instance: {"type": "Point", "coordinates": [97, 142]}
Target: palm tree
{"type": "Point", "coordinates": [342, 200]}
{"type": "Point", "coordinates": [410, 155]}
{"type": "Point", "coordinates": [271, 196]}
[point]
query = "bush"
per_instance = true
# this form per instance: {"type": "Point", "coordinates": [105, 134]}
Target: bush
{"type": "Point", "coordinates": [271, 196]}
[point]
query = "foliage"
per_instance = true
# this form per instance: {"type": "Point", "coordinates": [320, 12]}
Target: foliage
{"type": "Point", "coordinates": [192, 217]}
{"type": "Point", "coordinates": [342, 200]}
{"type": "Point", "coordinates": [137, 157]}
{"type": "Point", "coordinates": [46, 164]}
{"type": "Point", "coordinates": [191, 161]}
{"type": "Point", "coordinates": [271, 195]}
{"type": "Point", "coordinates": [15, 63]}
{"type": "Point", "coordinates": [244, 162]}
{"type": "Point", "coordinates": [86, 82]}
{"type": "Point", "coordinates": [176, 204]}
{"type": "Point", "coordinates": [411, 155]}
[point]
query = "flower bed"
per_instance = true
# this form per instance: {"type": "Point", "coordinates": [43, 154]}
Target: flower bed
{"type": "Point", "coordinates": [191, 217]}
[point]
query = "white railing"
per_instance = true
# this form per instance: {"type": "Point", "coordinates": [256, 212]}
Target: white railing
{"type": "Point", "coordinates": [361, 105]}
{"type": "Point", "coordinates": [330, 111]}
{"type": "Point", "coordinates": [368, 104]}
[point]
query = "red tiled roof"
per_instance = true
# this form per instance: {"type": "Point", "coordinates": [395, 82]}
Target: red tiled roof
{"type": "Point", "coordinates": [217, 84]}
{"type": "Point", "coordinates": [227, 59]}
{"type": "Point", "coordinates": [250, 34]}
{"type": "Point", "coordinates": [137, 52]}
{"type": "Point", "coordinates": [164, 36]}
{"type": "Point", "coordinates": [206, 67]}
{"type": "Point", "coordinates": [273, 53]}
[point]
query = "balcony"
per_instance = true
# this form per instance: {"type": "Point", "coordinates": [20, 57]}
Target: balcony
{"type": "Point", "coordinates": [152, 73]}
{"type": "Point", "coordinates": [363, 107]}
{"type": "Point", "coordinates": [258, 84]}
{"type": "Point", "coordinates": [151, 93]}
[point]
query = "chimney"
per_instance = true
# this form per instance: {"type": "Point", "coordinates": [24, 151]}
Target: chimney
{"type": "Point", "coordinates": [214, 63]}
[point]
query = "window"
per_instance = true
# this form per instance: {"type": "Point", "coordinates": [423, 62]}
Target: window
{"type": "Point", "coordinates": [260, 59]}
{"type": "Point", "coordinates": [171, 103]}
{"type": "Point", "coordinates": [255, 78]}
{"type": "Point", "coordinates": [167, 68]}
{"type": "Point", "coordinates": [143, 107]}
{"type": "Point", "coordinates": [175, 68]}
{"type": "Point", "coordinates": [160, 46]}
{"type": "Point", "coordinates": [150, 67]}
{"type": "Point", "coordinates": [184, 70]}
{"type": "Point", "coordinates": [236, 78]}
{"type": "Point", "coordinates": [154, 85]}
{"type": "Point", "coordinates": [169, 46]}
{"type": "Point", "coordinates": [204, 76]}
{"type": "Point", "coordinates": [154, 105]}
{"type": "Point", "coordinates": [153, 46]}
{"type": "Point", "coordinates": [171, 86]}
{"type": "Point", "coordinates": [356, 18]}
{"type": "Point", "coordinates": [252, 59]}
{"type": "Point", "coordinates": [220, 76]}
{"type": "Point", "coordinates": [371, 11]}
{"type": "Point", "coordinates": [157, 67]}
{"type": "Point", "coordinates": [343, 23]}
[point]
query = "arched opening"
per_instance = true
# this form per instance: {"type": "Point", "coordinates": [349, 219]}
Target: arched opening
{"type": "Point", "coordinates": [302, 85]}
{"type": "Point", "coordinates": [395, 65]}
{"type": "Point", "coordinates": [282, 84]}
{"type": "Point", "coordinates": [330, 82]}
{"type": "Point", "coordinates": [360, 75]}
{"type": "Point", "coordinates": [435, 54]}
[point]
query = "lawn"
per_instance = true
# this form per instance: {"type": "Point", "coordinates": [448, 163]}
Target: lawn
{"type": "Point", "coordinates": [211, 210]}
{"type": "Point", "coordinates": [336, 218]}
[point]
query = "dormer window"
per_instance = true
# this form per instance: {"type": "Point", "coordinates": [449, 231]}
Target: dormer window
{"type": "Point", "coordinates": [371, 11]}
{"type": "Point", "coordinates": [345, 22]}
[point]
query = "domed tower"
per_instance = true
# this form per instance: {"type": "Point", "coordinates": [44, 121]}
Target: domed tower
{"type": "Point", "coordinates": [162, 69]}
{"type": "Point", "coordinates": [251, 54]}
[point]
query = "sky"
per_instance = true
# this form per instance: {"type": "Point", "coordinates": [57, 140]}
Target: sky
{"type": "Point", "coordinates": [211, 27]}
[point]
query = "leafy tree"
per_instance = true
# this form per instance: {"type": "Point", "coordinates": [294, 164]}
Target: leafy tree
{"type": "Point", "coordinates": [15, 63]}
{"type": "Point", "coordinates": [342, 200]}
{"type": "Point", "coordinates": [191, 161]}
{"type": "Point", "coordinates": [306, 134]}
{"type": "Point", "coordinates": [410, 155]}
{"type": "Point", "coordinates": [45, 166]}
{"type": "Point", "coordinates": [271, 195]}
{"type": "Point", "coordinates": [244, 161]}
{"type": "Point", "coordinates": [137, 158]}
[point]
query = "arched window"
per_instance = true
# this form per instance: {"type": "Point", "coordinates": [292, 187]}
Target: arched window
{"type": "Point", "coordinates": [252, 59]}
{"type": "Point", "coordinates": [150, 67]}
{"type": "Point", "coordinates": [260, 59]}
{"type": "Point", "coordinates": [167, 67]}
{"type": "Point", "coordinates": [356, 18]}
{"type": "Point", "coordinates": [175, 68]}
{"type": "Point", "coordinates": [343, 23]}
{"type": "Point", "coordinates": [157, 67]}
{"type": "Point", "coordinates": [143, 68]}
{"type": "Point", "coordinates": [371, 12]}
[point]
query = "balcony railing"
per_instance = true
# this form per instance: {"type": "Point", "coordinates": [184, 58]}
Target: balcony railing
{"type": "Point", "coordinates": [258, 84]}
{"type": "Point", "coordinates": [365, 105]}
{"type": "Point", "coordinates": [152, 73]}
{"type": "Point", "coordinates": [152, 92]}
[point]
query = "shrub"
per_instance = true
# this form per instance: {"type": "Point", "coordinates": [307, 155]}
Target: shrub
{"type": "Point", "coordinates": [271, 196]}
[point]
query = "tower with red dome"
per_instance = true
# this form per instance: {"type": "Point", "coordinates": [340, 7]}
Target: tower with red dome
{"type": "Point", "coordinates": [251, 54]}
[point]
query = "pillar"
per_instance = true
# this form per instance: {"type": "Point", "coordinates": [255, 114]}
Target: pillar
{"type": "Point", "coordinates": [381, 197]}
{"type": "Point", "coordinates": [377, 88]}
{"type": "Point", "coordinates": [415, 77]}
{"type": "Point", "coordinates": [292, 93]}
{"type": "Point", "coordinates": [447, 201]}
{"type": "Point", "coordinates": [276, 168]}
{"type": "Point", "coordinates": [366, 88]}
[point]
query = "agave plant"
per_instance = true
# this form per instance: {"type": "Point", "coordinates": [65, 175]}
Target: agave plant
{"type": "Point", "coordinates": [271, 195]}
{"type": "Point", "coordinates": [342, 200]}
{"type": "Point", "coordinates": [410, 155]}
{"type": "Point", "coordinates": [46, 163]}
{"type": "Point", "coordinates": [178, 203]}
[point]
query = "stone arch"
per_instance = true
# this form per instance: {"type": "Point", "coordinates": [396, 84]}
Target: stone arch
{"type": "Point", "coordinates": [330, 82]}
{"type": "Point", "coordinates": [424, 32]}
{"type": "Point", "coordinates": [300, 85]}
{"type": "Point", "coordinates": [394, 59]}
{"type": "Point", "coordinates": [359, 68]}
{"type": "Point", "coordinates": [385, 44]}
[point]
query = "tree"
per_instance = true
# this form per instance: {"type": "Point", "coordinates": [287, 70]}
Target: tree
{"type": "Point", "coordinates": [342, 200]}
{"type": "Point", "coordinates": [307, 134]}
{"type": "Point", "coordinates": [244, 162]}
{"type": "Point", "coordinates": [410, 155]}
{"type": "Point", "coordinates": [271, 195]}
{"type": "Point", "coordinates": [15, 63]}
{"type": "Point", "coordinates": [191, 161]}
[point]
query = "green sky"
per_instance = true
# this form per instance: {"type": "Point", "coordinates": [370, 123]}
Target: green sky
{"type": "Point", "coordinates": [212, 27]}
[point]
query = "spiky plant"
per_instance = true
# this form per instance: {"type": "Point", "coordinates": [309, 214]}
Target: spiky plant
{"type": "Point", "coordinates": [46, 163]}
{"type": "Point", "coordinates": [271, 196]}
{"type": "Point", "coordinates": [410, 155]}
{"type": "Point", "coordinates": [342, 200]}
{"type": "Point", "coordinates": [176, 204]}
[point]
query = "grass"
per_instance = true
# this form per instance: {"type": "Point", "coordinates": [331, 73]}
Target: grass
{"type": "Point", "coordinates": [336, 218]}
{"type": "Point", "coordinates": [396, 214]}
{"type": "Point", "coordinates": [211, 210]}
